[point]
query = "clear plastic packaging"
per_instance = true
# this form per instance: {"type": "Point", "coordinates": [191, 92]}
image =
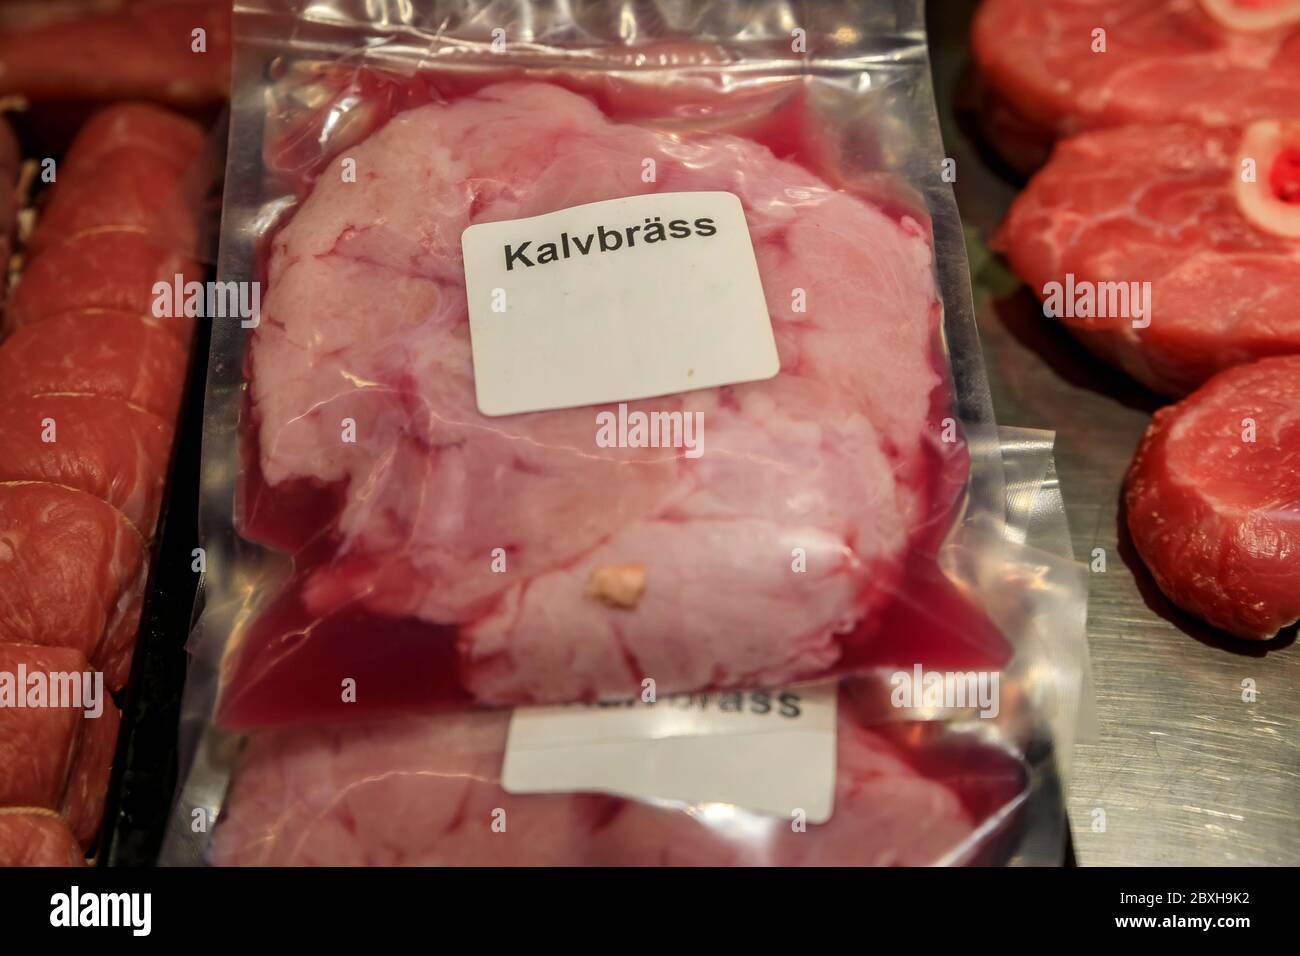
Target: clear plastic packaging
{"type": "Point", "coordinates": [426, 793]}
{"type": "Point", "coordinates": [914, 785]}
{"type": "Point", "coordinates": [873, 452]}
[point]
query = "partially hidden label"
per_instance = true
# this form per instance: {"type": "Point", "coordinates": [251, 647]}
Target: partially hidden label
{"type": "Point", "coordinates": [615, 301]}
{"type": "Point", "coordinates": [768, 751]}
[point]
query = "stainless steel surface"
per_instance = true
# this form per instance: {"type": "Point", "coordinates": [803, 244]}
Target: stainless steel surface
{"type": "Point", "coordinates": [1186, 769]}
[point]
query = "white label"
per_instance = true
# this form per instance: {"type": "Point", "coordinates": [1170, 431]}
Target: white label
{"type": "Point", "coordinates": [615, 301]}
{"type": "Point", "coordinates": [769, 751]}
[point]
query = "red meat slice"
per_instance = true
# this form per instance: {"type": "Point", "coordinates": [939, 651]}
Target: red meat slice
{"type": "Point", "coordinates": [1157, 205]}
{"type": "Point", "coordinates": [116, 451]}
{"type": "Point", "coordinates": [1216, 517]}
{"type": "Point", "coordinates": [113, 269]}
{"type": "Point", "coordinates": [174, 139]}
{"type": "Point", "coordinates": [86, 360]}
{"type": "Point", "coordinates": [415, 793]}
{"type": "Point", "coordinates": [118, 220]}
{"type": "Point", "coordinates": [141, 49]}
{"type": "Point", "coordinates": [118, 649]}
{"type": "Point", "coordinates": [369, 322]}
{"type": "Point", "coordinates": [1165, 61]}
{"type": "Point", "coordinates": [87, 788]}
{"type": "Point", "coordinates": [112, 355]}
{"type": "Point", "coordinates": [130, 189]}
{"type": "Point", "coordinates": [38, 745]}
{"type": "Point", "coordinates": [32, 838]}
{"type": "Point", "coordinates": [56, 757]}
{"type": "Point", "coordinates": [70, 566]}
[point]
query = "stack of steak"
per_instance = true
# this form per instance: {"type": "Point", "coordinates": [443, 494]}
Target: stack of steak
{"type": "Point", "coordinates": [1181, 173]}
{"type": "Point", "coordinates": [90, 387]}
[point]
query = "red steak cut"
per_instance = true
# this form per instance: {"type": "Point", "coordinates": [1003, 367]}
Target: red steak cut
{"type": "Point", "coordinates": [56, 757]}
{"type": "Point", "coordinates": [131, 172]}
{"type": "Point", "coordinates": [1165, 205]}
{"type": "Point", "coordinates": [423, 793]}
{"type": "Point", "coordinates": [32, 838]}
{"type": "Point", "coordinates": [105, 446]}
{"type": "Point", "coordinates": [109, 269]}
{"type": "Point", "coordinates": [120, 219]}
{"type": "Point", "coordinates": [86, 792]}
{"type": "Point", "coordinates": [115, 355]}
{"type": "Point", "coordinates": [130, 188]}
{"type": "Point", "coordinates": [136, 126]}
{"type": "Point", "coordinates": [365, 319]}
{"type": "Point", "coordinates": [38, 745]}
{"type": "Point", "coordinates": [119, 645]}
{"type": "Point", "coordinates": [1165, 61]}
{"type": "Point", "coordinates": [70, 566]}
{"type": "Point", "coordinates": [1213, 499]}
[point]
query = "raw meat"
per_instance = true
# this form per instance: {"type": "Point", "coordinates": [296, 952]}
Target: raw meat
{"type": "Point", "coordinates": [104, 446]}
{"type": "Point", "coordinates": [136, 48]}
{"type": "Point", "coordinates": [119, 219]}
{"type": "Point", "coordinates": [87, 789]}
{"type": "Point", "coordinates": [1166, 61]}
{"type": "Point", "coordinates": [38, 745]}
{"type": "Point", "coordinates": [90, 384]}
{"type": "Point", "coordinates": [284, 678]}
{"type": "Point", "coordinates": [131, 188]}
{"type": "Point", "coordinates": [110, 355]}
{"type": "Point", "coordinates": [118, 648]}
{"type": "Point", "coordinates": [110, 270]}
{"type": "Point", "coordinates": [131, 169]}
{"type": "Point", "coordinates": [422, 793]}
{"type": "Point", "coordinates": [70, 565]}
{"type": "Point", "coordinates": [1213, 499]}
{"type": "Point", "coordinates": [1160, 204]}
{"type": "Point", "coordinates": [56, 758]}
{"type": "Point", "coordinates": [85, 357]}
{"type": "Point", "coordinates": [135, 126]}
{"type": "Point", "coordinates": [31, 837]}
{"type": "Point", "coordinates": [365, 318]}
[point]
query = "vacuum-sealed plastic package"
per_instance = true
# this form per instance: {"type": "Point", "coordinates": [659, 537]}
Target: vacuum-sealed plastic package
{"type": "Point", "coordinates": [905, 785]}
{"type": "Point", "coordinates": [755, 531]}
{"type": "Point", "coordinates": [719, 537]}
{"type": "Point", "coordinates": [425, 792]}
{"type": "Point", "coordinates": [603, 353]}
